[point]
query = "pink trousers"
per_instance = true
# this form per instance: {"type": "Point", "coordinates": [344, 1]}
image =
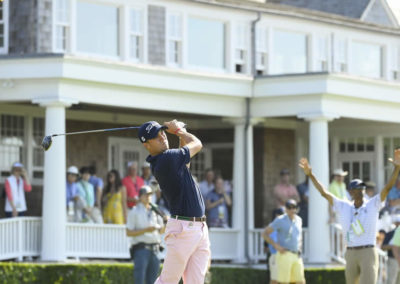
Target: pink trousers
{"type": "Point", "coordinates": [188, 253]}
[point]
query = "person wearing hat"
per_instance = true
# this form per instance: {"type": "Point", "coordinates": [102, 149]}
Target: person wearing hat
{"type": "Point", "coordinates": [338, 188]}
{"type": "Point", "coordinates": [15, 187]}
{"type": "Point", "coordinates": [358, 219]}
{"type": "Point", "coordinates": [289, 264]}
{"type": "Point", "coordinates": [144, 227]}
{"type": "Point", "coordinates": [132, 183]}
{"type": "Point", "coordinates": [186, 236]}
{"type": "Point", "coordinates": [72, 192]}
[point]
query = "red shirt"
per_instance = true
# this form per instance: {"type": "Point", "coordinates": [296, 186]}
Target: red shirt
{"type": "Point", "coordinates": [132, 188]}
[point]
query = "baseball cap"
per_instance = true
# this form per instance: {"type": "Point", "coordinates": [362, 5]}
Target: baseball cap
{"type": "Point", "coordinates": [291, 203]}
{"type": "Point", "coordinates": [17, 165]}
{"type": "Point", "coordinates": [73, 170]}
{"type": "Point", "coordinates": [284, 172]}
{"type": "Point", "coordinates": [357, 184]}
{"type": "Point", "coordinates": [340, 172]}
{"type": "Point", "coordinates": [149, 130]}
{"type": "Point", "coordinates": [146, 164]}
{"type": "Point", "coordinates": [145, 190]}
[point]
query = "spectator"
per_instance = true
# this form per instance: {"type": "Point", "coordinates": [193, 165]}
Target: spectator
{"type": "Point", "coordinates": [369, 190]}
{"type": "Point", "coordinates": [393, 266]}
{"type": "Point", "coordinates": [302, 189]}
{"type": "Point", "coordinates": [284, 191]}
{"type": "Point", "coordinates": [394, 197]}
{"type": "Point", "coordinates": [15, 187]}
{"type": "Point", "coordinates": [115, 209]}
{"type": "Point", "coordinates": [98, 185]}
{"type": "Point", "coordinates": [338, 188]}
{"type": "Point", "coordinates": [85, 206]}
{"type": "Point", "coordinates": [72, 192]}
{"type": "Point", "coordinates": [132, 183]}
{"type": "Point", "coordinates": [145, 227]}
{"type": "Point", "coordinates": [271, 252]}
{"type": "Point", "coordinates": [380, 237]}
{"type": "Point", "coordinates": [288, 244]}
{"type": "Point", "coordinates": [207, 185]}
{"type": "Point", "coordinates": [148, 178]}
{"type": "Point", "coordinates": [217, 203]}
{"type": "Point", "coordinates": [160, 199]}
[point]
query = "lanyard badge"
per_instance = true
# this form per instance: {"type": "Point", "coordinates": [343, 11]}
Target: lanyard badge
{"type": "Point", "coordinates": [357, 228]}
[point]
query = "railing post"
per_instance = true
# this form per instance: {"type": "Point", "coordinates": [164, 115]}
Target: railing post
{"type": "Point", "coordinates": [20, 239]}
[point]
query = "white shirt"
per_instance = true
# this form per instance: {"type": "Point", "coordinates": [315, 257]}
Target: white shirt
{"type": "Point", "coordinates": [366, 215]}
{"type": "Point", "coordinates": [140, 217]}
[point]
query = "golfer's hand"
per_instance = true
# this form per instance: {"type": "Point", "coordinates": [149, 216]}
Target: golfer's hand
{"type": "Point", "coordinates": [303, 163]}
{"type": "Point", "coordinates": [396, 160]}
{"type": "Point", "coordinates": [280, 249]}
{"type": "Point", "coordinates": [174, 125]}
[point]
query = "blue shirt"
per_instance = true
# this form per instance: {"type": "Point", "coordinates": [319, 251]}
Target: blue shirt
{"type": "Point", "coordinates": [96, 182]}
{"type": "Point", "coordinates": [214, 214]}
{"type": "Point", "coordinates": [176, 182]}
{"type": "Point", "coordinates": [72, 191]}
{"type": "Point", "coordinates": [394, 193]}
{"type": "Point", "coordinates": [274, 237]}
{"type": "Point", "coordinates": [289, 232]}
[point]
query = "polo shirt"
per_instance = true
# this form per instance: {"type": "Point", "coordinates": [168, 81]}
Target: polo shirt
{"type": "Point", "coordinates": [288, 232]}
{"type": "Point", "coordinates": [394, 193]}
{"type": "Point", "coordinates": [96, 182]}
{"type": "Point", "coordinates": [140, 217]}
{"type": "Point", "coordinates": [176, 182]}
{"type": "Point", "coordinates": [367, 215]}
{"type": "Point", "coordinates": [132, 188]}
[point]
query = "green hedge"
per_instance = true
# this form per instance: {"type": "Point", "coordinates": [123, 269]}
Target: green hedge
{"type": "Point", "coordinates": [15, 273]}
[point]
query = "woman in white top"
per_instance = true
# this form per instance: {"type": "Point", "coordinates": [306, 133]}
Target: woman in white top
{"type": "Point", "coordinates": [15, 186]}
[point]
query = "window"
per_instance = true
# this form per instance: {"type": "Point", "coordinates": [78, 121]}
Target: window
{"type": "Point", "coordinates": [206, 43]}
{"type": "Point", "coordinates": [340, 55]}
{"type": "Point", "coordinates": [394, 71]}
{"type": "Point", "coordinates": [290, 52]}
{"type": "Point", "coordinates": [322, 54]}
{"type": "Point", "coordinates": [38, 153]}
{"type": "Point", "coordinates": [3, 26]}
{"type": "Point", "coordinates": [97, 29]}
{"type": "Point", "coordinates": [174, 39]}
{"type": "Point", "coordinates": [241, 50]}
{"type": "Point", "coordinates": [360, 144]}
{"type": "Point", "coordinates": [261, 50]}
{"type": "Point", "coordinates": [62, 25]}
{"type": "Point", "coordinates": [367, 59]}
{"type": "Point", "coordinates": [389, 145]}
{"type": "Point", "coordinates": [136, 33]}
{"type": "Point", "coordinates": [12, 137]}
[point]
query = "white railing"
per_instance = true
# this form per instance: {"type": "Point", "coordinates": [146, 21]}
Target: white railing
{"type": "Point", "coordinates": [257, 252]}
{"type": "Point", "coordinates": [97, 241]}
{"type": "Point", "coordinates": [20, 237]}
{"type": "Point", "coordinates": [337, 243]}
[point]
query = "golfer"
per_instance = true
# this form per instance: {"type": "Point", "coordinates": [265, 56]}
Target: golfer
{"type": "Point", "coordinates": [359, 219]}
{"type": "Point", "coordinates": [186, 235]}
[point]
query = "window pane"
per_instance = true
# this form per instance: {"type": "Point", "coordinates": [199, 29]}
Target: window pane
{"type": "Point", "coordinates": [11, 140]}
{"type": "Point", "coordinates": [97, 29]}
{"type": "Point", "coordinates": [290, 52]}
{"type": "Point", "coordinates": [136, 21]}
{"type": "Point", "coordinates": [366, 59]}
{"type": "Point", "coordinates": [366, 171]}
{"type": "Point", "coordinates": [206, 42]}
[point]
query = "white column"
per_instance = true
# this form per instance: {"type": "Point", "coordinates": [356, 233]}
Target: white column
{"type": "Point", "coordinates": [250, 174]}
{"type": "Point", "coordinates": [54, 197]}
{"type": "Point", "coordinates": [380, 163]}
{"type": "Point", "coordinates": [318, 207]}
{"type": "Point", "coordinates": [239, 187]}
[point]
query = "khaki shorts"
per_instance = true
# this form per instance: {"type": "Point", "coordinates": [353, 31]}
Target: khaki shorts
{"type": "Point", "coordinates": [273, 267]}
{"type": "Point", "coordinates": [290, 267]}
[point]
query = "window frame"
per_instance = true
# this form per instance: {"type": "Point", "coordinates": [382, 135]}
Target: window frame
{"type": "Point", "coordinates": [241, 45]}
{"type": "Point", "coordinates": [67, 25]}
{"type": "Point", "coordinates": [341, 60]}
{"type": "Point", "coordinates": [321, 53]}
{"type": "Point", "coordinates": [141, 34]}
{"type": "Point", "coordinates": [178, 39]}
{"type": "Point", "coordinates": [262, 45]}
{"type": "Point", "coordinates": [394, 63]}
{"type": "Point", "coordinates": [381, 57]}
{"type": "Point", "coordinates": [5, 22]}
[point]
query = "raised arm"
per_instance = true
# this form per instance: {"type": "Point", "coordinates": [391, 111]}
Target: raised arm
{"type": "Point", "coordinates": [395, 174]}
{"type": "Point", "coordinates": [307, 171]}
{"type": "Point", "coordinates": [186, 139]}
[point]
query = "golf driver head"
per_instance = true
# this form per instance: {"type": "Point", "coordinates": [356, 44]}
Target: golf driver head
{"type": "Point", "coordinates": [46, 143]}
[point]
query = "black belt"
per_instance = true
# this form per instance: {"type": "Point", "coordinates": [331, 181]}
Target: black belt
{"type": "Point", "coordinates": [296, 252]}
{"type": "Point", "coordinates": [361, 247]}
{"type": "Point", "coordinates": [193, 219]}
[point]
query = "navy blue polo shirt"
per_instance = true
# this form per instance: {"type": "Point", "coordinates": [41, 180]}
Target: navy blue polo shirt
{"type": "Point", "coordinates": [176, 182]}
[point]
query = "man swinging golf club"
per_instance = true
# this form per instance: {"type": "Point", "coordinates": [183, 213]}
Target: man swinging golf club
{"type": "Point", "coordinates": [186, 235]}
{"type": "Point", "coordinates": [359, 222]}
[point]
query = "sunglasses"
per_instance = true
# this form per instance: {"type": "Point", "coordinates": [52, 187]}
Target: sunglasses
{"type": "Point", "coordinates": [356, 188]}
{"type": "Point", "coordinates": [291, 207]}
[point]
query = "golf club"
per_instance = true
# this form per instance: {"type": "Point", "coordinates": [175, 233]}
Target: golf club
{"type": "Point", "coordinates": [47, 140]}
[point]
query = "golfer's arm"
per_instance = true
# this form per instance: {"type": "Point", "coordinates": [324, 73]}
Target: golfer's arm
{"type": "Point", "coordinates": [324, 193]}
{"type": "Point", "coordinates": [390, 184]}
{"type": "Point", "coordinates": [189, 140]}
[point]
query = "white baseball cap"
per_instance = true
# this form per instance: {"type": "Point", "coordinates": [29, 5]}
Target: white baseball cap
{"type": "Point", "coordinates": [146, 164]}
{"type": "Point", "coordinates": [340, 172]}
{"type": "Point", "coordinates": [17, 165]}
{"type": "Point", "coordinates": [73, 170]}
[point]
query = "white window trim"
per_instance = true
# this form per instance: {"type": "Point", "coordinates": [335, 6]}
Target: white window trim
{"type": "Point", "coordinates": [144, 34]}
{"type": "Point", "coordinates": [336, 58]}
{"type": "Point", "coordinates": [350, 44]}
{"type": "Point", "coordinates": [263, 50]}
{"type": "Point", "coordinates": [241, 47]}
{"type": "Point", "coordinates": [177, 39]}
{"type": "Point", "coordinates": [227, 45]}
{"type": "Point", "coordinates": [63, 24]}
{"type": "Point", "coordinates": [317, 55]}
{"type": "Point", "coordinates": [4, 49]}
{"type": "Point", "coordinates": [394, 62]}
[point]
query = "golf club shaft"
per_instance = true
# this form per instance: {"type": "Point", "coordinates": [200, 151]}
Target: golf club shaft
{"type": "Point", "coordinates": [97, 130]}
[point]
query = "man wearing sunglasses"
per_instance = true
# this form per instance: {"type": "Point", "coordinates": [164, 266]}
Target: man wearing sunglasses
{"type": "Point", "coordinates": [289, 264]}
{"type": "Point", "coordinates": [359, 219]}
